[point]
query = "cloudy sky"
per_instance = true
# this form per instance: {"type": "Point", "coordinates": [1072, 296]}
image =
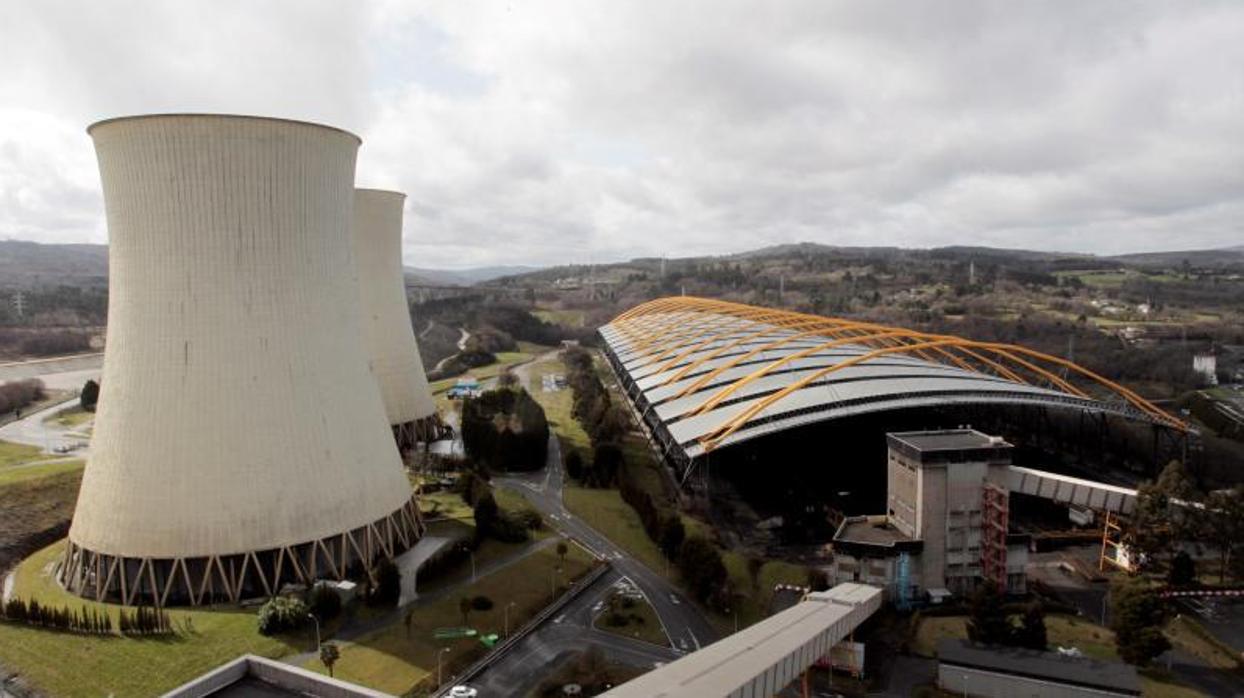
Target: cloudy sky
{"type": "Point", "coordinates": [549, 132]}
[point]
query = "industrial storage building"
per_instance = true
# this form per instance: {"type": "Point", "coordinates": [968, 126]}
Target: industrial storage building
{"type": "Point", "coordinates": [240, 440]}
{"type": "Point", "coordinates": [392, 350]}
{"type": "Point", "coordinates": [706, 374]}
{"type": "Point", "coordinates": [971, 670]}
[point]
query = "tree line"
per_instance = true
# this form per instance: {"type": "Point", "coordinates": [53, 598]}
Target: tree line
{"type": "Point", "coordinates": [142, 620]}
{"type": "Point", "coordinates": [15, 395]}
{"type": "Point", "coordinates": [1172, 511]}
{"type": "Point", "coordinates": [606, 423]}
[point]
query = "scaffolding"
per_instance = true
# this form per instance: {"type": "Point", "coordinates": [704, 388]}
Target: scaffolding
{"type": "Point", "coordinates": [1111, 543]}
{"type": "Point", "coordinates": [994, 515]}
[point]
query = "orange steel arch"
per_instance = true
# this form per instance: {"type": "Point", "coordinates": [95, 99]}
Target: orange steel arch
{"type": "Point", "coordinates": [709, 441]}
{"type": "Point", "coordinates": [1005, 360]}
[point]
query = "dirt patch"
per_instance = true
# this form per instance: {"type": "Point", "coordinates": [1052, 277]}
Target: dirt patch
{"type": "Point", "coordinates": [36, 513]}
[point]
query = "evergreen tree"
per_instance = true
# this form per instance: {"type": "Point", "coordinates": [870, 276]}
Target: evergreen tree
{"type": "Point", "coordinates": [987, 621]}
{"type": "Point", "coordinates": [1136, 616]}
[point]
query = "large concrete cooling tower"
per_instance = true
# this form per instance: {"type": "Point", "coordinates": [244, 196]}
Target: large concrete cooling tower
{"type": "Point", "coordinates": [392, 349]}
{"type": "Point", "coordinates": [240, 441]}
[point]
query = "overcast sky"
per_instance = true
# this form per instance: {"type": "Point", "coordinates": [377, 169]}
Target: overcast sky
{"type": "Point", "coordinates": [554, 132]}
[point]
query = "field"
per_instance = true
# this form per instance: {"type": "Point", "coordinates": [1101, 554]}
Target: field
{"type": "Point", "coordinates": [557, 408]}
{"type": "Point", "coordinates": [70, 417]}
{"type": "Point", "coordinates": [64, 664]}
{"type": "Point", "coordinates": [392, 660]}
{"type": "Point", "coordinates": [505, 359]}
{"type": "Point", "coordinates": [14, 454]}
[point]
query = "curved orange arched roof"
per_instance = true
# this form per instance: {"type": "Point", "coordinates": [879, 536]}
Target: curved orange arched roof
{"type": "Point", "coordinates": [713, 370]}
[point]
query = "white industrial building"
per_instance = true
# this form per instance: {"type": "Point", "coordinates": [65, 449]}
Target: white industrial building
{"type": "Point", "coordinates": [392, 350]}
{"type": "Point", "coordinates": [945, 525]}
{"type": "Point", "coordinates": [240, 440]}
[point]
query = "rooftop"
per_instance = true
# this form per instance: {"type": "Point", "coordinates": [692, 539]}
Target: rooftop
{"type": "Point", "coordinates": [870, 530]}
{"type": "Point", "coordinates": [948, 440]}
{"type": "Point", "coordinates": [250, 676]}
{"type": "Point", "coordinates": [1048, 666]}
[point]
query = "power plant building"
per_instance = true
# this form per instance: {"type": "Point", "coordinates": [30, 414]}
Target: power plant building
{"type": "Point", "coordinates": [392, 350]}
{"type": "Point", "coordinates": [240, 441]}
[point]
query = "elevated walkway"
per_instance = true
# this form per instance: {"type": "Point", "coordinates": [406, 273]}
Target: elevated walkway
{"type": "Point", "coordinates": [762, 659]}
{"type": "Point", "coordinates": [1071, 490]}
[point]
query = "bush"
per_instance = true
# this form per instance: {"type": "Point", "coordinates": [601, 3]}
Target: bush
{"type": "Point", "coordinates": [481, 603]}
{"type": "Point", "coordinates": [281, 614]}
{"type": "Point", "coordinates": [388, 585]}
{"type": "Point", "coordinates": [89, 396]}
{"type": "Point", "coordinates": [325, 602]}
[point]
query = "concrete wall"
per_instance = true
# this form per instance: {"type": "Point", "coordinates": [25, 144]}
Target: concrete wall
{"type": "Point", "coordinates": [392, 350]}
{"type": "Point", "coordinates": [238, 411]}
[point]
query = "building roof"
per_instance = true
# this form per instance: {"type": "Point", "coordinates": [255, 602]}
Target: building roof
{"type": "Point", "coordinates": [1046, 666]}
{"type": "Point", "coordinates": [250, 676]}
{"type": "Point", "coordinates": [870, 530]}
{"type": "Point", "coordinates": [709, 373]}
{"type": "Point", "coordinates": [948, 440]}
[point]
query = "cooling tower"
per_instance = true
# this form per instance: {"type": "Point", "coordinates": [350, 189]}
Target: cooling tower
{"type": "Point", "coordinates": [392, 350]}
{"type": "Point", "coordinates": [240, 441]}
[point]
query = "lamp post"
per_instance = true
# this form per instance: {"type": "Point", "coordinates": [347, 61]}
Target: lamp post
{"type": "Point", "coordinates": [317, 630]}
{"type": "Point", "coordinates": [443, 652]}
{"type": "Point", "coordinates": [507, 617]}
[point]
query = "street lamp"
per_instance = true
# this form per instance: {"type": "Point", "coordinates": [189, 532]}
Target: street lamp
{"type": "Point", "coordinates": [444, 651]}
{"type": "Point", "coordinates": [507, 617]}
{"type": "Point", "coordinates": [317, 630]}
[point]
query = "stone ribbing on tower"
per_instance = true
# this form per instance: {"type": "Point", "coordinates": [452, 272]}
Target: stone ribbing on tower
{"type": "Point", "coordinates": [393, 350]}
{"type": "Point", "coordinates": [240, 440]}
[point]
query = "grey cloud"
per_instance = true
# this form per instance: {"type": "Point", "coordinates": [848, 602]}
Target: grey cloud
{"type": "Point", "coordinates": [554, 132]}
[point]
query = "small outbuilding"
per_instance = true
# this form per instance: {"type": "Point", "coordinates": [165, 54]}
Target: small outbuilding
{"type": "Point", "coordinates": [967, 669]}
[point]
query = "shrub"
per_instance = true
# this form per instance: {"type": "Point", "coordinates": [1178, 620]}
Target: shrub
{"type": "Point", "coordinates": [388, 585]}
{"type": "Point", "coordinates": [325, 602]}
{"type": "Point", "coordinates": [89, 396]}
{"type": "Point", "coordinates": [281, 614]}
{"type": "Point", "coordinates": [481, 603]}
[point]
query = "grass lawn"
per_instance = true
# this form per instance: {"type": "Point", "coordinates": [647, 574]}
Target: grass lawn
{"type": "Point", "coordinates": [446, 504]}
{"type": "Point", "coordinates": [605, 511]}
{"type": "Point", "coordinates": [1061, 631]}
{"type": "Point", "coordinates": [504, 360]}
{"type": "Point", "coordinates": [14, 454]}
{"type": "Point", "coordinates": [64, 664]}
{"type": "Point", "coordinates": [639, 621]}
{"type": "Point", "coordinates": [70, 417]}
{"type": "Point", "coordinates": [390, 660]}
{"type": "Point", "coordinates": [754, 596]}
{"type": "Point", "coordinates": [557, 406]}
{"type": "Point", "coordinates": [26, 473]}
{"type": "Point", "coordinates": [566, 318]}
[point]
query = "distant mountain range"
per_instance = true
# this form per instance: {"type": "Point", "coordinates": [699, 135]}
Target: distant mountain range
{"type": "Point", "coordinates": [464, 277]}
{"type": "Point", "coordinates": [24, 263]}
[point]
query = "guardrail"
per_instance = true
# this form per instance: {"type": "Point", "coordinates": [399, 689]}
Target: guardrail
{"type": "Point", "coordinates": [499, 651]}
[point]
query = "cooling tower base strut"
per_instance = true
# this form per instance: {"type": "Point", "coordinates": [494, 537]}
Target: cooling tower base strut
{"type": "Point", "coordinates": [231, 578]}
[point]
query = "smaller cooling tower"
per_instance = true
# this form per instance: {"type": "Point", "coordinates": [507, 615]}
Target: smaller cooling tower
{"type": "Point", "coordinates": [392, 350]}
{"type": "Point", "coordinates": [240, 441]}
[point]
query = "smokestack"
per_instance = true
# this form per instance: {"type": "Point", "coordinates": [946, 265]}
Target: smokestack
{"type": "Point", "coordinates": [240, 441]}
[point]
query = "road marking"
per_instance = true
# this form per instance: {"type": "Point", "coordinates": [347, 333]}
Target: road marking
{"type": "Point", "coordinates": [694, 638]}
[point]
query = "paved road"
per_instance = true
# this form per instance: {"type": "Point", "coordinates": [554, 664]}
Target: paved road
{"type": "Point", "coordinates": [31, 430]}
{"type": "Point", "coordinates": [566, 633]}
{"type": "Point", "coordinates": [685, 625]}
